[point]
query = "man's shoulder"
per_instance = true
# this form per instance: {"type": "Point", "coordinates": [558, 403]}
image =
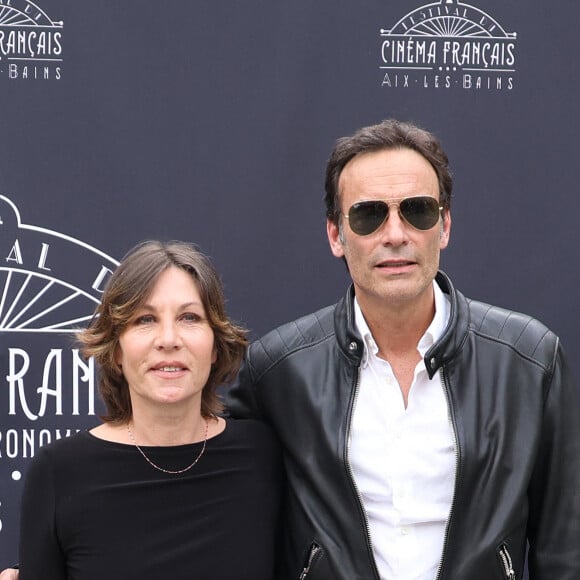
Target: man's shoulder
{"type": "Point", "coordinates": [302, 333]}
{"type": "Point", "coordinates": [521, 332]}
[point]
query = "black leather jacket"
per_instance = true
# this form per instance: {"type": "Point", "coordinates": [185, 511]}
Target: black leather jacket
{"type": "Point", "coordinates": [516, 418]}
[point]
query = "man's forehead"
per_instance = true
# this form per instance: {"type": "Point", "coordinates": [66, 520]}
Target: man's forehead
{"type": "Point", "coordinates": [388, 169]}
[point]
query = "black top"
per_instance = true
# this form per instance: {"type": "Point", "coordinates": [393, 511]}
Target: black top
{"type": "Point", "coordinates": [96, 510]}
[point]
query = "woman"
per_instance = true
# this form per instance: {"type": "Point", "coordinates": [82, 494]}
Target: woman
{"type": "Point", "coordinates": [164, 487]}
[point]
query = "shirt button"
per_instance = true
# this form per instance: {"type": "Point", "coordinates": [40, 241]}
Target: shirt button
{"type": "Point", "coordinates": [404, 531]}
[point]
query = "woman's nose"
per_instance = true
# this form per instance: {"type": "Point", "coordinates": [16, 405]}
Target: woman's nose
{"type": "Point", "coordinates": [167, 336]}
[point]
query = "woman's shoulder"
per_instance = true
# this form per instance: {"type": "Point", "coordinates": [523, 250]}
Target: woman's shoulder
{"type": "Point", "coordinates": [249, 428]}
{"type": "Point", "coordinates": [73, 447]}
{"type": "Point", "coordinates": [253, 443]}
{"type": "Point", "coordinates": [74, 441]}
{"type": "Point", "coordinates": [61, 455]}
{"type": "Point", "coordinates": [251, 434]}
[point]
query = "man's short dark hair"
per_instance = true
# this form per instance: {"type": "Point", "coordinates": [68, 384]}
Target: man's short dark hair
{"type": "Point", "coordinates": [390, 134]}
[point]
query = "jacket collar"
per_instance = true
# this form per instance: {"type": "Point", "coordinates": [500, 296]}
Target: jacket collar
{"type": "Point", "coordinates": [351, 343]}
{"type": "Point", "coordinates": [455, 333]}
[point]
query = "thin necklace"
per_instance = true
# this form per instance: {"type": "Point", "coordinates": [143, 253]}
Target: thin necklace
{"type": "Point", "coordinates": [171, 472]}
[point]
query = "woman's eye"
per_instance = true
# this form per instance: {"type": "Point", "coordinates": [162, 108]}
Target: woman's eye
{"type": "Point", "coordinates": [145, 319]}
{"type": "Point", "coordinates": [191, 317]}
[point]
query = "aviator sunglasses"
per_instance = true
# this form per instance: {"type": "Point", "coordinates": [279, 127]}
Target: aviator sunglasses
{"type": "Point", "coordinates": [366, 217]}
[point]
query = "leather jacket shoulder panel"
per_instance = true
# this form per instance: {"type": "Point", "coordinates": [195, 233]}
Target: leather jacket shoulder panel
{"type": "Point", "coordinates": [331, 322]}
{"type": "Point", "coordinates": [526, 335]}
{"type": "Point", "coordinates": [285, 340]}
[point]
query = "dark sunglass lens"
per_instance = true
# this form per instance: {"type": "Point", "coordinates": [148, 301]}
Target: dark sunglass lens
{"type": "Point", "coordinates": [421, 212]}
{"type": "Point", "coordinates": [367, 216]}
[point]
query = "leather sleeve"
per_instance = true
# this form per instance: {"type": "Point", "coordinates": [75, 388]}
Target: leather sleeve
{"type": "Point", "coordinates": [554, 494]}
{"type": "Point", "coordinates": [241, 399]}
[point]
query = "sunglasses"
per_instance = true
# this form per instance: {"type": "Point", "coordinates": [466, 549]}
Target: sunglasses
{"type": "Point", "coordinates": [421, 212]}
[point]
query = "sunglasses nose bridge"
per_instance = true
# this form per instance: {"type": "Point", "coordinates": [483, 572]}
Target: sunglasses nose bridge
{"type": "Point", "coordinates": [386, 209]}
{"type": "Point", "coordinates": [392, 230]}
{"type": "Point", "coordinates": [393, 207]}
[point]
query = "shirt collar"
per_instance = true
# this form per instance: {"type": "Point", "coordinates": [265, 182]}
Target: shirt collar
{"type": "Point", "coordinates": [432, 334]}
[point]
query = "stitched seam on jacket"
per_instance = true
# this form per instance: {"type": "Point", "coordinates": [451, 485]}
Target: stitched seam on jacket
{"type": "Point", "coordinates": [514, 348]}
{"type": "Point", "coordinates": [551, 373]}
{"type": "Point", "coordinates": [540, 343]}
{"type": "Point", "coordinates": [290, 352]}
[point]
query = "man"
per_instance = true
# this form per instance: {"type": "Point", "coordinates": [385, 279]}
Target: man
{"type": "Point", "coordinates": [426, 436]}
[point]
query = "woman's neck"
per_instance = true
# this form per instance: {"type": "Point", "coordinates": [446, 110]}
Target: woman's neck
{"type": "Point", "coordinates": [160, 429]}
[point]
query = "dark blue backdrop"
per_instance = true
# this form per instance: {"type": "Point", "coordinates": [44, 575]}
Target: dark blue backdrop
{"type": "Point", "coordinates": [212, 121]}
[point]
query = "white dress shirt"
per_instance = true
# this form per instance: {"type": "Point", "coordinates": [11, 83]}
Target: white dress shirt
{"type": "Point", "coordinates": [404, 459]}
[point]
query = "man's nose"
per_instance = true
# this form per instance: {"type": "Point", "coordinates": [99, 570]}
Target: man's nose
{"type": "Point", "coordinates": [394, 230]}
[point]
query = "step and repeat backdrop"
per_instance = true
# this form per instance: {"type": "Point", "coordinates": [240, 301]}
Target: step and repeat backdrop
{"type": "Point", "coordinates": [211, 122]}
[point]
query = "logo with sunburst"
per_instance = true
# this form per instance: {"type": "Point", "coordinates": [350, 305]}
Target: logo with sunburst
{"type": "Point", "coordinates": [50, 284]}
{"type": "Point", "coordinates": [40, 292]}
{"type": "Point", "coordinates": [447, 44]}
{"type": "Point", "coordinates": [31, 43]}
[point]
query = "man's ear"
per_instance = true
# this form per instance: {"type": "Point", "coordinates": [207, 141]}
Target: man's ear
{"type": "Point", "coordinates": [334, 234]}
{"type": "Point", "coordinates": [445, 229]}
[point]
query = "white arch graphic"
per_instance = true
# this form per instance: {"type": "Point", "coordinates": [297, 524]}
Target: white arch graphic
{"type": "Point", "coordinates": [25, 13]}
{"type": "Point", "coordinates": [448, 18]}
{"type": "Point", "coordinates": [32, 301]}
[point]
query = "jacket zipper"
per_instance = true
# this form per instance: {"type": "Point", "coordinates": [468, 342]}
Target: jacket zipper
{"type": "Point", "coordinates": [506, 560]}
{"type": "Point", "coordinates": [351, 476]}
{"type": "Point", "coordinates": [457, 456]}
{"type": "Point", "coordinates": [315, 550]}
